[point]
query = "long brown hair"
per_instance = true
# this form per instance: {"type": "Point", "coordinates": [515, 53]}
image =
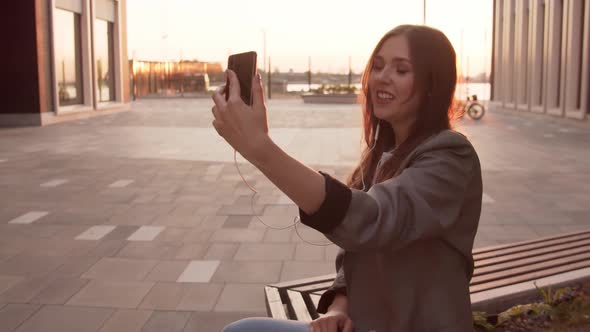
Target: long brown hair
{"type": "Point", "coordinates": [435, 71]}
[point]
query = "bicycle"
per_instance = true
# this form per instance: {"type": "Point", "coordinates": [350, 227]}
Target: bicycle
{"type": "Point", "coordinates": [472, 108]}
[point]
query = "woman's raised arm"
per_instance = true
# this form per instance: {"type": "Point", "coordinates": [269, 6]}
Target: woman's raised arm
{"type": "Point", "coordinates": [245, 128]}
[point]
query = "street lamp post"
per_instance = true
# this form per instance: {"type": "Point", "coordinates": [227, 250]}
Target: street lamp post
{"type": "Point", "coordinates": [424, 12]}
{"type": "Point", "coordinates": [309, 73]}
{"type": "Point", "coordinates": [349, 72]}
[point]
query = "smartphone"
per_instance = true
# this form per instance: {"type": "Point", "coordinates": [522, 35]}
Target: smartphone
{"type": "Point", "coordinates": [244, 65]}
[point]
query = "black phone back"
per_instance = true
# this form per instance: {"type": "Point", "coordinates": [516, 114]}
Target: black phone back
{"type": "Point", "coordinates": [244, 65]}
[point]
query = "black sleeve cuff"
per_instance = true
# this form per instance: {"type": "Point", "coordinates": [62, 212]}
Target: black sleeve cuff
{"type": "Point", "coordinates": [333, 209]}
{"type": "Point", "coordinates": [328, 297]}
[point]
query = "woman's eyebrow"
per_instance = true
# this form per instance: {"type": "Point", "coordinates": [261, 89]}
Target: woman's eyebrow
{"type": "Point", "coordinates": [394, 59]}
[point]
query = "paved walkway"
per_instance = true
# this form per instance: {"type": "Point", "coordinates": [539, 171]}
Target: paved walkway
{"type": "Point", "coordinates": [139, 220]}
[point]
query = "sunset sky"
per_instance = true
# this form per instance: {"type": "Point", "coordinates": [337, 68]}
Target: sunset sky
{"type": "Point", "coordinates": [328, 31]}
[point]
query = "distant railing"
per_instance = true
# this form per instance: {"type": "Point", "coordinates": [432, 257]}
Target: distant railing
{"type": "Point", "coordinates": [171, 79]}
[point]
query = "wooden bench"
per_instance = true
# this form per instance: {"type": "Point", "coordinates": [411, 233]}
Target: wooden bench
{"type": "Point", "coordinates": [503, 274]}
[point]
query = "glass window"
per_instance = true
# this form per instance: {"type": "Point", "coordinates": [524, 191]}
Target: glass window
{"type": "Point", "coordinates": [68, 57]}
{"type": "Point", "coordinates": [103, 34]}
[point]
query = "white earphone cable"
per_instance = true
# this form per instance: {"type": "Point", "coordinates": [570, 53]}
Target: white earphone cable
{"type": "Point", "coordinates": [295, 220]}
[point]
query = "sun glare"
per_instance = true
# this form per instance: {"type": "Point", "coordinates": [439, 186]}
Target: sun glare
{"type": "Point", "coordinates": [328, 32]}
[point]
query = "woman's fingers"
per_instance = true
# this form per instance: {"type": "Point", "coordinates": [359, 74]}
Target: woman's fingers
{"type": "Point", "coordinates": [218, 97]}
{"type": "Point", "coordinates": [348, 326]}
{"type": "Point", "coordinates": [257, 92]}
{"type": "Point", "coordinates": [218, 125]}
{"type": "Point", "coordinates": [234, 85]}
{"type": "Point", "coordinates": [328, 324]}
{"type": "Point", "coordinates": [215, 112]}
{"type": "Point", "coordinates": [332, 325]}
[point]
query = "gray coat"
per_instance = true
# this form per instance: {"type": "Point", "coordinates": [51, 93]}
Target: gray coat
{"type": "Point", "coordinates": [406, 259]}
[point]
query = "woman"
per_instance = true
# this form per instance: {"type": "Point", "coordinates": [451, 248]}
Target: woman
{"type": "Point", "coordinates": [406, 260]}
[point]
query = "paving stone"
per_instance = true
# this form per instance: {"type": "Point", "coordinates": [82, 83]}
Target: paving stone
{"type": "Point", "coordinates": [29, 217]}
{"type": "Point", "coordinates": [54, 183]}
{"type": "Point", "coordinates": [221, 251]}
{"type": "Point", "coordinates": [95, 233]}
{"type": "Point", "coordinates": [510, 233]}
{"type": "Point", "coordinates": [59, 248]}
{"type": "Point", "coordinates": [211, 222]}
{"type": "Point", "coordinates": [111, 294]}
{"type": "Point", "coordinates": [107, 248]}
{"type": "Point", "coordinates": [198, 235]}
{"type": "Point", "coordinates": [126, 320]}
{"type": "Point", "coordinates": [283, 222]}
{"type": "Point", "coordinates": [307, 252]}
{"type": "Point", "coordinates": [191, 251]}
{"type": "Point", "coordinates": [280, 210]}
{"type": "Point", "coordinates": [13, 315]}
{"type": "Point", "coordinates": [298, 270]}
{"type": "Point", "coordinates": [8, 281]}
{"type": "Point", "coordinates": [247, 272]}
{"type": "Point", "coordinates": [237, 222]}
{"type": "Point", "coordinates": [265, 252]}
{"type": "Point", "coordinates": [173, 234]}
{"type": "Point", "coordinates": [167, 271]}
{"type": "Point", "coordinates": [198, 271]}
{"type": "Point", "coordinates": [209, 210]}
{"type": "Point", "coordinates": [59, 291]}
{"type": "Point", "coordinates": [200, 297]}
{"type": "Point", "coordinates": [331, 252]}
{"type": "Point", "coordinates": [121, 233]}
{"type": "Point", "coordinates": [279, 236]}
{"type": "Point", "coordinates": [242, 297]}
{"type": "Point", "coordinates": [164, 296]}
{"type": "Point", "coordinates": [150, 250]}
{"type": "Point", "coordinates": [162, 321]}
{"type": "Point", "coordinates": [146, 233]}
{"type": "Point", "coordinates": [26, 289]}
{"type": "Point", "coordinates": [237, 235]}
{"type": "Point", "coordinates": [121, 269]}
{"type": "Point", "coordinates": [178, 221]}
{"type": "Point", "coordinates": [140, 214]}
{"type": "Point", "coordinates": [121, 183]}
{"type": "Point", "coordinates": [66, 319]}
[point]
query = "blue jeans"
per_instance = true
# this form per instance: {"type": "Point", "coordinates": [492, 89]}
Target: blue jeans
{"type": "Point", "coordinates": [265, 324]}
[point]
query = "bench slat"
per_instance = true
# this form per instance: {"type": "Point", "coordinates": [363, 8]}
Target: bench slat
{"type": "Point", "coordinates": [495, 267]}
{"type": "Point", "coordinates": [274, 304]}
{"type": "Point", "coordinates": [529, 277]}
{"type": "Point", "coordinates": [306, 281]}
{"type": "Point", "coordinates": [528, 269]}
{"type": "Point", "coordinates": [531, 253]}
{"type": "Point", "coordinates": [532, 246]}
{"type": "Point", "coordinates": [313, 287]}
{"type": "Point", "coordinates": [315, 299]}
{"type": "Point", "coordinates": [299, 306]}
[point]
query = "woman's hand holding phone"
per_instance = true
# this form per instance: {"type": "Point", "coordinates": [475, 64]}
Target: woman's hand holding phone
{"type": "Point", "coordinates": [244, 127]}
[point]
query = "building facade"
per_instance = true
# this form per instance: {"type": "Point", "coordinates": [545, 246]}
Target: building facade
{"type": "Point", "coordinates": [65, 59]}
{"type": "Point", "coordinates": [540, 57]}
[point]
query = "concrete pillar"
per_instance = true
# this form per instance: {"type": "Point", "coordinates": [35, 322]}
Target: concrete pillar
{"type": "Point", "coordinates": [585, 84]}
{"type": "Point", "coordinates": [554, 46]}
{"type": "Point", "coordinates": [521, 41]}
{"type": "Point", "coordinates": [572, 91]}
{"type": "Point", "coordinates": [508, 55]}
{"type": "Point", "coordinates": [536, 74]}
{"type": "Point", "coordinates": [498, 83]}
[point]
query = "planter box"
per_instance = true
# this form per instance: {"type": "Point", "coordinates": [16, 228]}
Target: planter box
{"type": "Point", "coordinates": [349, 98]}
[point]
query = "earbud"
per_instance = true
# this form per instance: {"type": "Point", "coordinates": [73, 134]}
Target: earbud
{"type": "Point", "coordinates": [374, 144]}
{"type": "Point", "coordinates": [377, 131]}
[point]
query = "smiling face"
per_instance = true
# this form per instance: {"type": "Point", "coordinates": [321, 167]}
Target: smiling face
{"type": "Point", "coordinates": [391, 83]}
